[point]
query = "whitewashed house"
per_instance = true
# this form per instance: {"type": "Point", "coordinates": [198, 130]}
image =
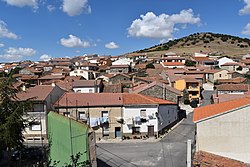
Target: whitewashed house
{"type": "Point", "coordinates": [223, 129]}
{"type": "Point", "coordinates": [42, 97]}
{"type": "Point", "coordinates": [147, 116]}
{"type": "Point", "coordinates": [224, 60]}
{"type": "Point", "coordinates": [87, 86]}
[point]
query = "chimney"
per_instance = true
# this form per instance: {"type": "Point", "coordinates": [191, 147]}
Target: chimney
{"type": "Point", "coordinates": [24, 88]}
{"type": "Point", "coordinates": [53, 84]}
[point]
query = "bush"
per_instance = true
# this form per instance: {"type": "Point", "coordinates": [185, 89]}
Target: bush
{"type": "Point", "coordinates": [150, 65]}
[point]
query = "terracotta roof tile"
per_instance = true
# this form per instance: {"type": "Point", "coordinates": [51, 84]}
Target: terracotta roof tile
{"type": "Point", "coordinates": [228, 97]}
{"type": "Point", "coordinates": [39, 93]}
{"type": "Point", "coordinates": [205, 159]}
{"type": "Point", "coordinates": [173, 63]}
{"type": "Point", "coordinates": [47, 77]}
{"type": "Point", "coordinates": [215, 109]}
{"type": "Point", "coordinates": [201, 59]}
{"type": "Point", "coordinates": [232, 64]}
{"type": "Point", "coordinates": [107, 99]}
{"type": "Point", "coordinates": [86, 83]}
{"type": "Point", "coordinates": [233, 80]}
{"type": "Point", "coordinates": [233, 87]}
{"type": "Point", "coordinates": [157, 83]}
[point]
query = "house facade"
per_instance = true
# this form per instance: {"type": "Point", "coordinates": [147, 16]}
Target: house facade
{"type": "Point", "coordinates": [213, 75]}
{"type": "Point", "coordinates": [88, 86]}
{"type": "Point", "coordinates": [114, 115]}
{"type": "Point", "coordinates": [42, 98]}
{"type": "Point", "coordinates": [222, 129]}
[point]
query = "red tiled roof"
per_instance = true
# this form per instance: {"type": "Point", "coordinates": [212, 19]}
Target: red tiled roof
{"type": "Point", "coordinates": [201, 59]}
{"type": "Point", "coordinates": [173, 63]}
{"type": "Point", "coordinates": [39, 93]}
{"type": "Point", "coordinates": [86, 83]}
{"type": "Point", "coordinates": [233, 87]}
{"type": "Point", "coordinates": [228, 97]}
{"type": "Point", "coordinates": [232, 64]}
{"type": "Point", "coordinates": [129, 99]}
{"type": "Point", "coordinates": [213, 71]}
{"type": "Point", "coordinates": [233, 80]}
{"type": "Point", "coordinates": [119, 66]}
{"type": "Point", "coordinates": [157, 83]}
{"type": "Point", "coordinates": [205, 159]}
{"type": "Point", "coordinates": [52, 77]}
{"type": "Point", "coordinates": [106, 99]}
{"type": "Point", "coordinates": [216, 109]}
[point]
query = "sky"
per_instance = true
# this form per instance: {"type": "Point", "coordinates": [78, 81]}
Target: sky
{"type": "Point", "coordinates": [42, 29]}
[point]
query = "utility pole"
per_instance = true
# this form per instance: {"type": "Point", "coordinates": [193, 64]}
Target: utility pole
{"type": "Point", "coordinates": [189, 150]}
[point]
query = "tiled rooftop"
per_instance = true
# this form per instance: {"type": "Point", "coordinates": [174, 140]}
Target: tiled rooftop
{"type": "Point", "coordinates": [217, 109]}
{"type": "Point", "coordinates": [205, 159]}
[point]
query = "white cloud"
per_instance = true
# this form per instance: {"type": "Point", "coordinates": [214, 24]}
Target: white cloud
{"type": "Point", "coordinates": [45, 57]}
{"type": "Point", "coordinates": [22, 3]}
{"type": "Point", "coordinates": [1, 45]}
{"type": "Point", "coordinates": [246, 8]}
{"type": "Point", "coordinates": [73, 42]}
{"type": "Point", "coordinates": [51, 8]}
{"type": "Point", "coordinates": [162, 26]}
{"type": "Point", "coordinates": [111, 45]}
{"type": "Point", "coordinates": [246, 30]}
{"type": "Point", "coordinates": [4, 32]}
{"type": "Point", "coordinates": [75, 7]}
{"type": "Point", "coordinates": [17, 53]}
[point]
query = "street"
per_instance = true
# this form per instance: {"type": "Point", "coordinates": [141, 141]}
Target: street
{"type": "Point", "coordinates": [171, 151]}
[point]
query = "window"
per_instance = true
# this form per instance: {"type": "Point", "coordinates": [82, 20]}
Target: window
{"type": "Point", "coordinates": [105, 113]}
{"type": "Point", "coordinates": [75, 71]}
{"type": "Point", "coordinates": [81, 115]}
{"type": "Point", "coordinates": [220, 75]}
{"type": "Point", "coordinates": [105, 130]}
{"type": "Point", "coordinates": [105, 117]}
{"type": "Point", "coordinates": [36, 126]}
{"type": "Point", "coordinates": [81, 71]}
{"type": "Point", "coordinates": [67, 114]}
{"type": "Point", "coordinates": [135, 130]}
{"type": "Point", "coordinates": [143, 113]}
{"type": "Point", "coordinates": [90, 90]}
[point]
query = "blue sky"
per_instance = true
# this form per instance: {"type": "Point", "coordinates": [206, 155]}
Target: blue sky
{"type": "Point", "coordinates": [41, 29]}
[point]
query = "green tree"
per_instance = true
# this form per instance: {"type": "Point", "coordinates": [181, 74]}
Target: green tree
{"type": "Point", "coordinates": [190, 63]}
{"type": "Point", "coordinates": [12, 111]}
{"type": "Point", "coordinates": [150, 65]}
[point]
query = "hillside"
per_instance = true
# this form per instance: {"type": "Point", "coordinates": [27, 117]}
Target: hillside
{"type": "Point", "coordinates": [215, 44]}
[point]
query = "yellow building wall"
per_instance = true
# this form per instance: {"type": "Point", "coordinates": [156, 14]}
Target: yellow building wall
{"type": "Point", "coordinates": [180, 84]}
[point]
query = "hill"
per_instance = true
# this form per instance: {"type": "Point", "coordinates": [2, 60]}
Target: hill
{"type": "Point", "coordinates": [215, 44]}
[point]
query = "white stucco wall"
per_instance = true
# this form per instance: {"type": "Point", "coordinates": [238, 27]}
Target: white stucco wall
{"type": "Point", "coordinates": [224, 60]}
{"type": "Point", "coordinates": [82, 73]}
{"type": "Point", "coordinates": [131, 112]}
{"type": "Point", "coordinates": [227, 135]}
{"type": "Point", "coordinates": [86, 90]}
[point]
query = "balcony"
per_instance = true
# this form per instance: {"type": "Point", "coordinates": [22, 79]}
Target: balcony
{"type": "Point", "coordinates": [193, 88]}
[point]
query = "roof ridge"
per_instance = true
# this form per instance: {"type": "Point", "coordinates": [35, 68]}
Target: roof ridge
{"type": "Point", "coordinates": [208, 111]}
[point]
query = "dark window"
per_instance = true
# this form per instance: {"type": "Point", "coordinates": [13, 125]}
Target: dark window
{"type": "Point", "coordinates": [135, 130]}
{"type": "Point", "coordinates": [81, 115]}
{"type": "Point", "coordinates": [67, 114]}
{"type": "Point", "coordinates": [105, 130]}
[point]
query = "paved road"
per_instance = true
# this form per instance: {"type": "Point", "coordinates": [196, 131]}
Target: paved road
{"type": "Point", "coordinates": [206, 97]}
{"type": "Point", "coordinates": [169, 152]}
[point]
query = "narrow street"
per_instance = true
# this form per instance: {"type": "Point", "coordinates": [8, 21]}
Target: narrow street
{"type": "Point", "coordinates": [168, 152]}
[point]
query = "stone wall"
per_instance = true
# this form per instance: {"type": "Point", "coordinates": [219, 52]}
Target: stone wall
{"type": "Point", "coordinates": [158, 92]}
